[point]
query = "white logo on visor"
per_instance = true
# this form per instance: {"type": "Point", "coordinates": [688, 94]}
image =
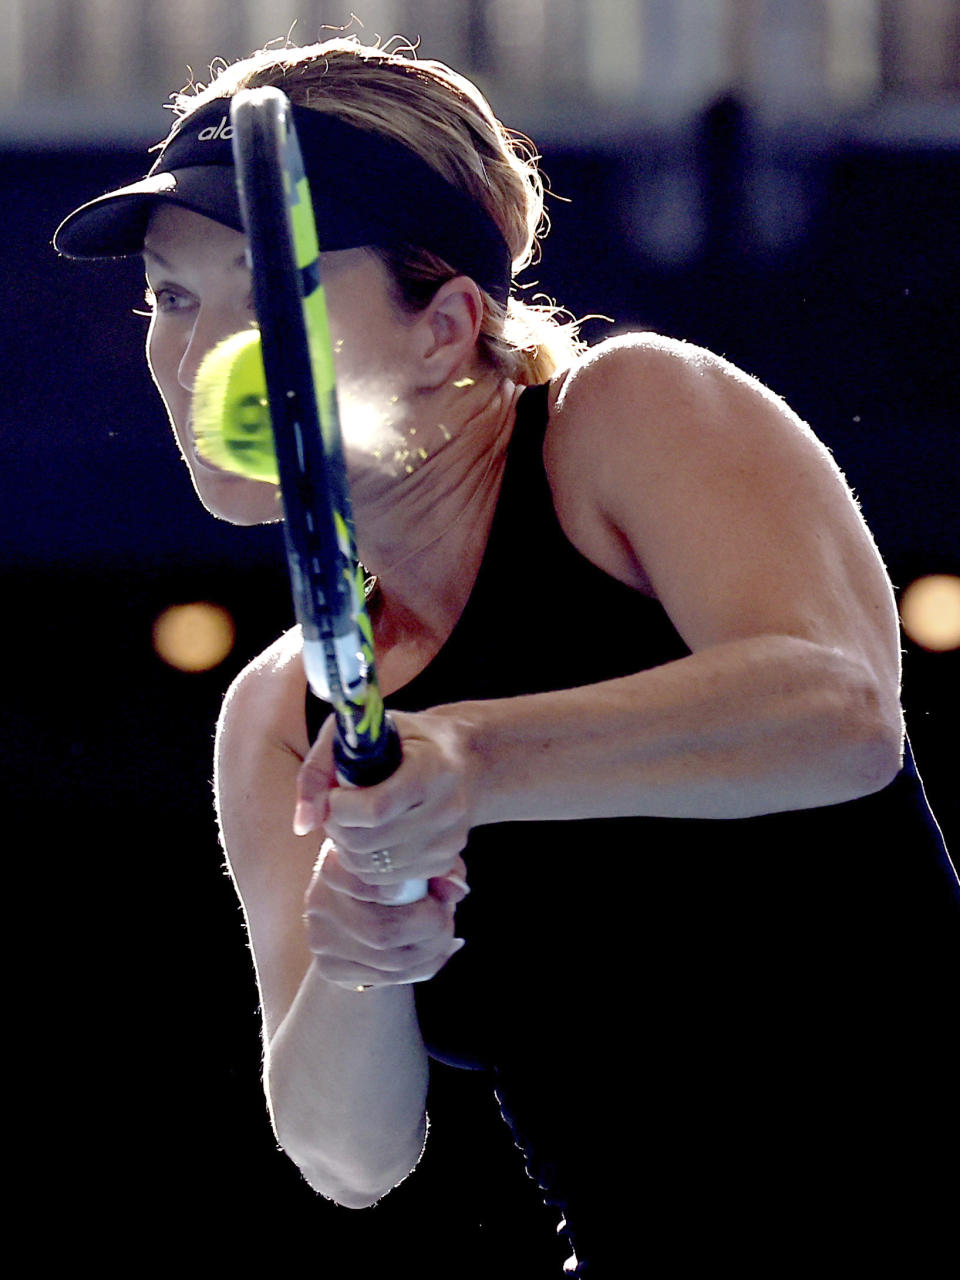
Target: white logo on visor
{"type": "Point", "coordinates": [222, 130]}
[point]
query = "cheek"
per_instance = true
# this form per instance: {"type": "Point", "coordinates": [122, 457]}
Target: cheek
{"type": "Point", "coordinates": [154, 353]}
{"type": "Point", "coordinates": [163, 363]}
{"type": "Point", "coordinates": [369, 353]}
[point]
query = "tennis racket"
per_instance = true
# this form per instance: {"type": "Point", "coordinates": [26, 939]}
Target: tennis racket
{"type": "Point", "coordinates": [325, 575]}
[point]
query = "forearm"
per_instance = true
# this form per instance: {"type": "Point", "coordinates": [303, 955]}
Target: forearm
{"type": "Point", "coordinates": [346, 1077]}
{"type": "Point", "coordinates": [762, 725]}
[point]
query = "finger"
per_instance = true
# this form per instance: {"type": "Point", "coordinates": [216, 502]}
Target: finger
{"type": "Point", "coordinates": [393, 868]}
{"type": "Point", "coordinates": [360, 934]}
{"type": "Point", "coordinates": [452, 888]}
{"type": "Point", "coordinates": [357, 942]}
{"type": "Point", "coordinates": [330, 873]}
{"type": "Point", "coordinates": [385, 927]}
{"type": "Point", "coordinates": [314, 781]}
{"type": "Point", "coordinates": [429, 827]}
{"type": "Point", "coordinates": [380, 804]}
{"type": "Point", "coordinates": [355, 975]}
{"type": "Point", "coordinates": [390, 941]}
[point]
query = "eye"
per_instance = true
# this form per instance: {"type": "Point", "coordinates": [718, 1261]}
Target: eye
{"type": "Point", "coordinates": [165, 299]}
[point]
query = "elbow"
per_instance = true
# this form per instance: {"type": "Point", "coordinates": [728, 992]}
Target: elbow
{"type": "Point", "coordinates": [358, 1192]}
{"type": "Point", "coordinates": [873, 763]}
{"type": "Point", "coordinates": [340, 1192]}
{"type": "Point", "coordinates": [349, 1188]}
{"type": "Point", "coordinates": [882, 758]}
{"type": "Point", "coordinates": [354, 1183]}
{"type": "Point", "coordinates": [870, 734]}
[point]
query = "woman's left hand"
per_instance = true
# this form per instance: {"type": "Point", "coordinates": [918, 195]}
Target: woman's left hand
{"type": "Point", "coordinates": [421, 815]}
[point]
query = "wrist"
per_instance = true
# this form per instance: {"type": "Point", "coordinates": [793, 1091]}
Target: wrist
{"type": "Point", "coordinates": [469, 728]}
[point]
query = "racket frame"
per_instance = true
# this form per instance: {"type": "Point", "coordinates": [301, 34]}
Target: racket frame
{"type": "Point", "coordinates": [327, 580]}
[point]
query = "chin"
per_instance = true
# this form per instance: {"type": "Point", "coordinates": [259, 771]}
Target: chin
{"type": "Point", "coordinates": [243, 520]}
{"type": "Point", "coordinates": [240, 502]}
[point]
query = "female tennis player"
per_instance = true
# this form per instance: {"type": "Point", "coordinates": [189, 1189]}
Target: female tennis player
{"type": "Point", "coordinates": [643, 657]}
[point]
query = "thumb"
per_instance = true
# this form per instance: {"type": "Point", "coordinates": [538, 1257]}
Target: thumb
{"type": "Point", "coordinates": [317, 775]}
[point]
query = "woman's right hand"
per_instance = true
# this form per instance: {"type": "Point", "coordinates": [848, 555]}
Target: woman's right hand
{"type": "Point", "coordinates": [359, 940]}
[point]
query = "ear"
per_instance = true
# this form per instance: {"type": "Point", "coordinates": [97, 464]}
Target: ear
{"type": "Point", "coordinates": [448, 329]}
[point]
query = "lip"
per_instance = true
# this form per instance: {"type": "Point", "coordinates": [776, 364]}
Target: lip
{"type": "Point", "coordinates": [205, 467]}
{"type": "Point", "coordinates": [198, 459]}
{"type": "Point", "coordinates": [210, 468]}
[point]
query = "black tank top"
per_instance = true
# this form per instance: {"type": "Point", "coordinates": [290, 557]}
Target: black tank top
{"type": "Point", "coordinates": [648, 991]}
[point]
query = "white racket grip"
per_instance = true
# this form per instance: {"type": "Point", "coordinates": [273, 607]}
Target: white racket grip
{"type": "Point", "coordinates": [396, 895]}
{"type": "Point", "coordinates": [401, 895]}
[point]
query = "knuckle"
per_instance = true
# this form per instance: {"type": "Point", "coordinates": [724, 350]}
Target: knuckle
{"type": "Point", "coordinates": [351, 859]}
{"type": "Point", "coordinates": [318, 940]}
{"type": "Point", "coordinates": [449, 843]}
{"type": "Point", "coordinates": [382, 805]}
{"type": "Point", "coordinates": [404, 960]}
{"type": "Point", "coordinates": [313, 777]}
{"type": "Point", "coordinates": [388, 930]}
{"type": "Point", "coordinates": [360, 842]}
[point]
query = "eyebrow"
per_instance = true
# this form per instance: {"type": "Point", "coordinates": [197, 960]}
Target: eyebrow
{"type": "Point", "coordinates": [240, 261]}
{"type": "Point", "coordinates": [157, 257]}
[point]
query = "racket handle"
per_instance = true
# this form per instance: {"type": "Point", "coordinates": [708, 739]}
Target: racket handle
{"type": "Point", "coordinates": [365, 771]}
{"type": "Point", "coordinates": [401, 895]}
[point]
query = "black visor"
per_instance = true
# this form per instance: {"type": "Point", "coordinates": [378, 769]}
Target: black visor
{"type": "Point", "coordinates": [367, 189]}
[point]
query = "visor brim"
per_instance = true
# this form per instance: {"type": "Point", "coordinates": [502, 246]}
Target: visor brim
{"type": "Point", "coordinates": [114, 225]}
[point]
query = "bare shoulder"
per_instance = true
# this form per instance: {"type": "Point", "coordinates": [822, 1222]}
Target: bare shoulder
{"type": "Point", "coordinates": [686, 477]}
{"type": "Point", "coordinates": [642, 421]}
{"type": "Point", "coordinates": [267, 699]}
{"type": "Point", "coordinates": [644, 384]}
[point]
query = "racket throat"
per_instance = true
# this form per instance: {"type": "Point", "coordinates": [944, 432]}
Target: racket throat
{"type": "Point", "coordinates": [336, 672]}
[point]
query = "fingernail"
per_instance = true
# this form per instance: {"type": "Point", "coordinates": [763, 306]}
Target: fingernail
{"type": "Point", "coordinates": [458, 945]}
{"type": "Point", "coordinates": [459, 883]}
{"type": "Point", "coordinates": [304, 818]}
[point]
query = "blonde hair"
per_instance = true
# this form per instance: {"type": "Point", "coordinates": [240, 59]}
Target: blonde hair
{"type": "Point", "coordinates": [445, 119]}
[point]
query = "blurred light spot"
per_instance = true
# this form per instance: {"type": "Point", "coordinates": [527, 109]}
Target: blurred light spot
{"type": "Point", "coordinates": [930, 612]}
{"type": "Point", "coordinates": [194, 637]}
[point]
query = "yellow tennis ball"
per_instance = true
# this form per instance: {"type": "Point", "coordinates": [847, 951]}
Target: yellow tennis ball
{"type": "Point", "coordinates": [231, 413]}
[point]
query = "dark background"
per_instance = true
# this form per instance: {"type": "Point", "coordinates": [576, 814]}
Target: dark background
{"type": "Point", "coordinates": [827, 264]}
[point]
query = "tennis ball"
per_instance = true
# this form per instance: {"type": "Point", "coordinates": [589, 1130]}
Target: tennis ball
{"type": "Point", "coordinates": [231, 414]}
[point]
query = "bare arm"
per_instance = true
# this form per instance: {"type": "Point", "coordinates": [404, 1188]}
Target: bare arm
{"type": "Point", "coordinates": [345, 1071]}
{"type": "Point", "coordinates": [683, 478]}
{"type": "Point", "coordinates": [755, 726]}
{"type": "Point", "coordinates": [678, 474]}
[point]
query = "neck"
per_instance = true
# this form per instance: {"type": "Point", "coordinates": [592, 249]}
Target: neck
{"type": "Point", "coordinates": [422, 521]}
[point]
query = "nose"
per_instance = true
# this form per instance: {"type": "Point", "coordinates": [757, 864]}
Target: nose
{"type": "Point", "coordinates": [211, 326]}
